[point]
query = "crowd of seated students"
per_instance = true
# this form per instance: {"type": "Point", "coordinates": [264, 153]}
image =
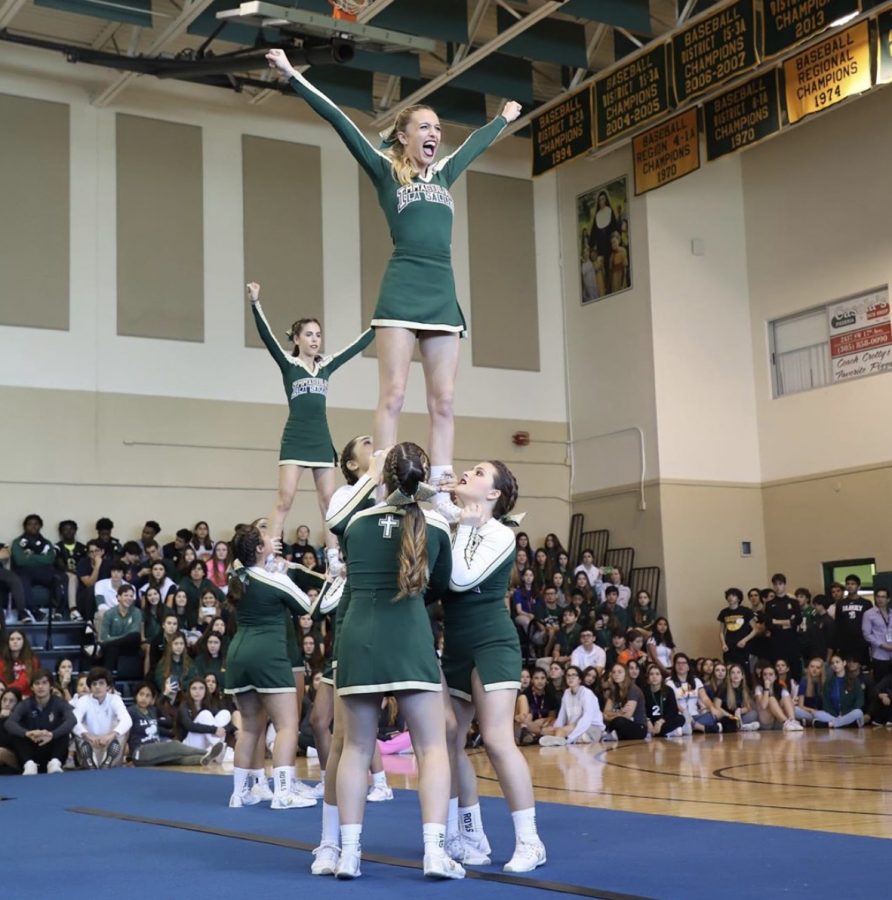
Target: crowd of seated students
{"type": "Point", "coordinates": [787, 661]}
{"type": "Point", "coordinates": [156, 622]}
{"type": "Point", "coordinates": [601, 665]}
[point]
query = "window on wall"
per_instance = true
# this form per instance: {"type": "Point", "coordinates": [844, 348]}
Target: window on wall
{"type": "Point", "coordinates": [829, 344]}
{"type": "Point", "coordinates": [839, 569]}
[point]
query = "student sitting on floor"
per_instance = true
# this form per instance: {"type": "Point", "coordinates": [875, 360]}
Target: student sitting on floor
{"type": "Point", "coordinates": [810, 698]}
{"type": "Point", "coordinates": [774, 703]}
{"type": "Point", "coordinates": [843, 697]}
{"type": "Point", "coordinates": [737, 699]}
{"type": "Point", "coordinates": [624, 710]}
{"type": "Point", "coordinates": [661, 707]}
{"type": "Point", "coordinates": [579, 719]}
{"type": "Point", "coordinates": [881, 710]}
{"type": "Point", "coordinates": [693, 701]}
{"type": "Point", "coordinates": [151, 742]}
{"type": "Point", "coordinates": [40, 727]}
{"type": "Point", "coordinates": [199, 726]}
{"type": "Point", "coordinates": [9, 700]}
{"type": "Point", "coordinates": [103, 723]}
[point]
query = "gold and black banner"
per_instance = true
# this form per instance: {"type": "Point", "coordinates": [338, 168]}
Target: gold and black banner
{"type": "Point", "coordinates": [884, 47]}
{"type": "Point", "coordinates": [713, 49]}
{"type": "Point", "coordinates": [742, 116]}
{"type": "Point", "coordinates": [632, 95]}
{"type": "Point", "coordinates": [828, 72]}
{"type": "Point", "coordinates": [787, 22]}
{"type": "Point", "coordinates": [667, 152]}
{"type": "Point", "coordinates": [563, 132]}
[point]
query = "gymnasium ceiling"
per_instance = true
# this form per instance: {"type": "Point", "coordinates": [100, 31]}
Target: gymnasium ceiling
{"type": "Point", "coordinates": [465, 68]}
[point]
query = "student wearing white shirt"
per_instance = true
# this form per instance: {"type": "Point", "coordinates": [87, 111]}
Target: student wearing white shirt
{"type": "Point", "coordinates": [593, 573]}
{"type": "Point", "coordinates": [625, 593]}
{"type": "Point", "coordinates": [588, 654]}
{"type": "Point", "coordinates": [103, 723]}
{"type": "Point", "coordinates": [579, 719]}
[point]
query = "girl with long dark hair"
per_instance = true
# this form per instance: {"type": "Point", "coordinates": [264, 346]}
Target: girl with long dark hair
{"type": "Point", "coordinates": [481, 664]}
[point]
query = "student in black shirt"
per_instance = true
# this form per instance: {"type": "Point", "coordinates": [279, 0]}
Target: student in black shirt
{"type": "Point", "coordinates": [848, 613]}
{"type": "Point", "coordinates": [69, 552]}
{"type": "Point", "coordinates": [661, 706]}
{"type": "Point", "coordinates": [735, 627]}
{"type": "Point", "coordinates": [40, 727]}
{"type": "Point", "coordinates": [109, 543]}
{"type": "Point", "coordinates": [781, 621]}
{"type": "Point", "coordinates": [175, 549]}
{"type": "Point", "coordinates": [821, 635]}
{"type": "Point", "coordinates": [91, 568]}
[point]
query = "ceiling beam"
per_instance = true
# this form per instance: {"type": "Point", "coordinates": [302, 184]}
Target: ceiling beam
{"type": "Point", "coordinates": [471, 60]}
{"type": "Point", "coordinates": [103, 37]}
{"type": "Point", "coordinates": [9, 10]}
{"type": "Point", "coordinates": [591, 49]}
{"type": "Point", "coordinates": [687, 12]}
{"type": "Point", "coordinates": [473, 27]}
{"type": "Point", "coordinates": [189, 14]}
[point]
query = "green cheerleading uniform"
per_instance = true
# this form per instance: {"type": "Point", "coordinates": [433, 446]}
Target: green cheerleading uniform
{"type": "Point", "coordinates": [479, 633]}
{"type": "Point", "coordinates": [418, 288]}
{"type": "Point", "coordinates": [306, 440]}
{"type": "Point", "coordinates": [346, 501]}
{"type": "Point", "coordinates": [258, 657]}
{"type": "Point", "coordinates": [373, 618]}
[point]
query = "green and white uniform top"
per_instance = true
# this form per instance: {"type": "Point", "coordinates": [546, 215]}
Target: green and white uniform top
{"type": "Point", "coordinates": [479, 633]}
{"type": "Point", "coordinates": [366, 662]}
{"type": "Point", "coordinates": [306, 440]}
{"type": "Point", "coordinates": [258, 658]}
{"type": "Point", "coordinates": [480, 562]}
{"type": "Point", "coordinates": [418, 288]}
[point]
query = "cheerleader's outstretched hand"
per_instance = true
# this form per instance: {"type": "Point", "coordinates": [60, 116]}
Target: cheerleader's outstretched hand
{"type": "Point", "coordinates": [253, 289]}
{"type": "Point", "coordinates": [279, 61]}
{"type": "Point", "coordinates": [510, 111]}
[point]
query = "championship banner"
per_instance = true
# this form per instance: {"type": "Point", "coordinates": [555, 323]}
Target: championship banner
{"type": "Point", "coordinates": [667, 152]}
{"type": "Point", "coordinates": [884, 47]}
{"type": "Point", "coordinates": [787, 22]}
{"type": "Point", "coordinates": [713, 49]}
{"type": "Point", "coordinates": [860, 336]}
{"type": "Point", "coordinates": [828, 72]}
{"type": "Point", "coordinates": [563, 132]}
{"type": "Point", "coordinates": [742, 116]}
{"type": "Point", "coordinates": [631, 95]}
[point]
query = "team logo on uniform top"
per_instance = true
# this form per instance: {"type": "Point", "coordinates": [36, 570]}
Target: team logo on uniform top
{"type": "Point", "coordinates": [388, 523]}
{"type": "Point", "coordinates": [433, 193]}
{"type": "Point", "coordinates": [309, 386]}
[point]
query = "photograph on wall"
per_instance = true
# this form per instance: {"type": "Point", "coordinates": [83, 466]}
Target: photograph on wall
{"type": "Point", "coordinates": [602, 225]}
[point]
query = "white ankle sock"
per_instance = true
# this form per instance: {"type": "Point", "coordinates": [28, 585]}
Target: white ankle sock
{"type": "Point", "coordinates": [351, 836]}
{"type": "Point", "coordinates": [452, 818]}
{"type": "Point", "coordinates": [259, 775]}
{"type": "Point", "coordinates": [240, 780]}
{"type": "Point", "coordinates": [282, 777]}
{"type": "Point", "coordinates": [330, 824]}
{"type": "Point", "coordinates": [434, 837]}
{"type": "Point", "coordinates": [470, 819]}
{"type": "Point", "coordinates": [379, 779]}
{"type": "Point", "coordinates": [525, 824]}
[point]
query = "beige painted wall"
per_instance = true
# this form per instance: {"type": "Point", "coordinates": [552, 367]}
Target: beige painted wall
{"type": "Point", "coordinates": [702, 527]}
{"type": "Point", "coordinates": [179, 460]}
{"type": "Point", "coordinates": [841, 515]}
{"type": "Point", "coordinates": [817, 229]}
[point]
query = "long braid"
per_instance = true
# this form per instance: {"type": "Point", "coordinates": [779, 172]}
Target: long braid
{"type": "Point", "coordinates": [407, 465]}
{"type": "Point", "coordinates": [506, 484]}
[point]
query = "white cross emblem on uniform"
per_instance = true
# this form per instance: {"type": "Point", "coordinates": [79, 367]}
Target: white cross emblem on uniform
{"type": "Point", "coordinates": [388, 523]}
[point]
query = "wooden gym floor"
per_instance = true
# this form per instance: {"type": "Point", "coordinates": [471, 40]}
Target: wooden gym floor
{"type": "Point", "coordinates": [834, 781]}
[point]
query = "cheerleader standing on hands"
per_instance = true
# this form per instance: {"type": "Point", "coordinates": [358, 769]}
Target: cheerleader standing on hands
{"type": "Point", "coordinates": [306, 440]}
{"type": "Point", "coordinates": [417, 299]}
{"type": "Point", "coordinates": [395, 552]}
{"type": "Point", "coordinates": [481, 665]}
